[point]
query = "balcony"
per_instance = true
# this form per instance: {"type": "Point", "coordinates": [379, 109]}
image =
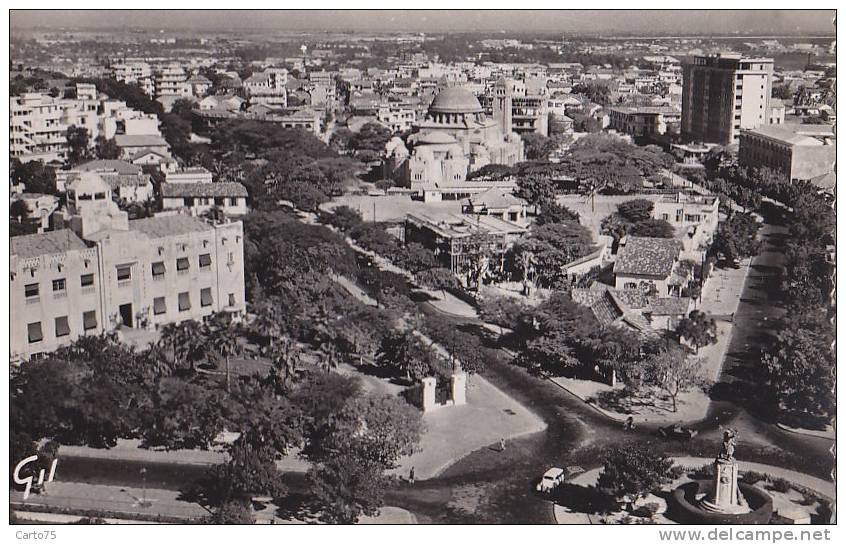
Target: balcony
{"type": "Point", "coordinates": [60, 294]}
{"type": "Point", "coordinates": [124, 283]}
{"type": "Point", "coordinates": [33, 300]}
{"type": "Point", "coordinates": [89, 290]}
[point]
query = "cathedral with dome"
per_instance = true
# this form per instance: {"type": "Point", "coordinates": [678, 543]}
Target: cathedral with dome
{"type": "Point", "coordinates": [454, 139]}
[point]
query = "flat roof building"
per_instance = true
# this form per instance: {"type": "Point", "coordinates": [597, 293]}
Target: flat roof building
{"type": "Point", "coordinates": [799, 152]}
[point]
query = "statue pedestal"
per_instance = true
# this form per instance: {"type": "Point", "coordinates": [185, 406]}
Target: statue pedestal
{"type": "Point", "coordinates": [725, 496]}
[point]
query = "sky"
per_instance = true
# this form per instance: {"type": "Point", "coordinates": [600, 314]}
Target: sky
{"type": "Point", "coordinates": [643, 22]}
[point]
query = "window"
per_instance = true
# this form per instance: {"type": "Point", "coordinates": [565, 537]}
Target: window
{"type": "Point", "coordinates": [232, 299]}
{"type": "Point", "coordinates": [182, 264]}
{"type": "Point", "coordinates": [89, 320]}
{"type": "Point", "coordinates": [158, 270]}
{"type": "Point", "coordinates": [62, 327]}
{"type": "Point", "coordinates": [86, 280]}
{"type": "Point", "coordinates": [33, 331]}
{"type": "Point", "coordinates": [205, 297]}
{"type": "Point", "coordinates": [31, 290]}
{"type": "Point", "coordinates": [124, 273]}
{"type": "Point", "coordinates": [159, 306]}
{"type": "Point", "coordinates": [205, 260]}
{"type": "Point", "coordinates": [59, 285]}
{"type": "Point", "coordinates": [184, 302]}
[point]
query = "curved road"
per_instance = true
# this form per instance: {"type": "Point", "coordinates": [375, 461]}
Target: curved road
{"type": "Point", "coordinates": [489, 486]}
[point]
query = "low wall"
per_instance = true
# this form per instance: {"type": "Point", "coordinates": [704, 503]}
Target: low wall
{"type": "Point", "coordinates": [684, 508]}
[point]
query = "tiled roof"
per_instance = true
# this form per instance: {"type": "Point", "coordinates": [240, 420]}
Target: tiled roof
{"type": "Point", "coordinates": [169, 225]}
{"type": "Point", "coordinates": [139, 140]}
{"type": "Point", "coordinates": [48, 243]}
{"type": "Point", "coordinates": [115, 181]}
{"type": "Point", "coordinates": [118, 166]}
{"type": "Point", "coordinates": [668, 306]}
{"type": "Point", "coordinates": [220, 188]}
{"type": "Point", "coordinates": [648, 256]}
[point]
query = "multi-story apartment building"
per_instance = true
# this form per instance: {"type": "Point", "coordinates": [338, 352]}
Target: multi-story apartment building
{"type": "Point", "coordinates": [137, 73]}
{"type": "Point", "coordinates": [396, 116]}
{"type": "Point", "coordinates": [107, 273]}
{"type": "Point", "coordinates": [509, 104]}
{"type": "Point", "coordinates": [268, 87]}
{"type": "Point", "coordinates": [172, 80]}
{"type": "Point", "coordinates": [800, 152]}
{"type": "Point", "coordinates": [37, 129]}
{"type": "Point", "coordinates": [723, 94]}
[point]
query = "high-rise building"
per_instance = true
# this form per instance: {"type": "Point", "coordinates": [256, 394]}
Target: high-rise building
{"type": "Point", "coordinates": [723, 94]}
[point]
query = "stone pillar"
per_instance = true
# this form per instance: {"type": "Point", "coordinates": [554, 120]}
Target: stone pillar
{"type": "Point", "coordinates": [459, 388]}
{"type": "Point", "coordinates": [429, 386]}
{"type": "Point", "coordinates": [725, 496]}
{"type": "Point", "coordinates": [725, 483]}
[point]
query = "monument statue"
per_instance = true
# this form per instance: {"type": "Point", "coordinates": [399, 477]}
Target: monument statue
{"type": "Point", "coordinates": [729, 443]}
{"type": "Point", "coordinates": [725, 496]}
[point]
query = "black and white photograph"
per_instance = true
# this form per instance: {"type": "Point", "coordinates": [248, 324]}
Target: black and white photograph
{"type": "Point", "coordinates": [463, 266]}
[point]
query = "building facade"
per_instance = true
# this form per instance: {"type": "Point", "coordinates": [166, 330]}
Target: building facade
{"type": "Point", "coordinates": [723, 94]}
{"type": "Point", "coordinates": [799, 152]}
{"type": "Point", "coordinates": [114, 274]}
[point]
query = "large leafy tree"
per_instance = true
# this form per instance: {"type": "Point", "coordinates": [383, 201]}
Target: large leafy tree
{"type": "Point", "coordinates": [698, 328]}
{"type": "Point", "coordinates": [737, 237]}
{"type": "Point", "coordinates": [633, 471]}
{"type": "Point", "coordinates": [551, 246]}
{"type": "Point", "coordinates": [78, 145]}
{"type": "Point", "coordinates": [798, 369]}
{"type": "Point", "coordinates": [673, 372]}
{"type": "Point", "coordinates": [560, 336]}
{"type": "Point", "coordinates": [407, 355]}
{"type": "Point", "coordinates": [35, 176]}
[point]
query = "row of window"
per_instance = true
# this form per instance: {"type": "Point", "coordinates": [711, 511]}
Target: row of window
{"type": "Point", "coordinates": [32, 290]}
{"type": "Point", "coordinates": [61, 326]}
{"type": "Point", "coordinates": [35, 333]}
{"type": "Point", "coordinates": [183, 301]}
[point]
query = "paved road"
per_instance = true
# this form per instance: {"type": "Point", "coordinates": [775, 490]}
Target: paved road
{"type": "Point", "coordinates": [493, 486]}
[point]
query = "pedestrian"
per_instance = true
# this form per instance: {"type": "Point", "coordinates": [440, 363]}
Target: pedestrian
{"type": "Point", "coordinates": [411, 476]}
{"type": "Point", "coordinates": [501, 444]}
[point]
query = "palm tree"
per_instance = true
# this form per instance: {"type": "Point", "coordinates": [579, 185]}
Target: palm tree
{"type": "Point", "coordinates": [222, 338]}
{"type": "Point", "coordinates": [185, 341]}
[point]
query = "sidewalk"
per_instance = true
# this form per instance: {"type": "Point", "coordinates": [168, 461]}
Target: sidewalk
{"type": "Point", "coordinates": [66, 502]}
{"type": "Point", "coordinates": [128, 450]}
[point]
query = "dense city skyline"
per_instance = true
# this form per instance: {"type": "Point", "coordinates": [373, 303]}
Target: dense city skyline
{"type": "Point", "coordinates": [647, 22]}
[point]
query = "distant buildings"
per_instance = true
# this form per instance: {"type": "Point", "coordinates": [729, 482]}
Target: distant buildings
{"type": "Point", "coordinates": [105, 273]}
{"type": "Point", "coordinates": [799, 152]}
{"type": "Point", "coordinates": [268, 87]}
{"type": "Point", "coordinates": [724, 94]}
{"type": "Point", "coordinates": [127, 181]}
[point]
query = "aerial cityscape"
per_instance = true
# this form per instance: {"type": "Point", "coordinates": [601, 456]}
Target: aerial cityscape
{"type": "Point", "coordinates": [422, 267]}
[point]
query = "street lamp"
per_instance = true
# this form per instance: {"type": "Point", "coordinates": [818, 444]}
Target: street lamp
{"type": "Point", "coordinates": [144, 502]}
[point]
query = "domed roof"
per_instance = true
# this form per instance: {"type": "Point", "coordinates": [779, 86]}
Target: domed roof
{"type": "Point", "coordinates": [433, 138]}
{"type": "Point", "coordinates": [455, 100]}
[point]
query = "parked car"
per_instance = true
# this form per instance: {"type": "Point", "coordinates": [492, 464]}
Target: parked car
{"type": "Point", "coordinates": [551, 479]}
{"type": "Point", "coordinates": [677, 432]}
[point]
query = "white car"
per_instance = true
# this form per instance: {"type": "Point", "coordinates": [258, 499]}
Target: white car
{"type": "Point", "coordinates": [551, 479]}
